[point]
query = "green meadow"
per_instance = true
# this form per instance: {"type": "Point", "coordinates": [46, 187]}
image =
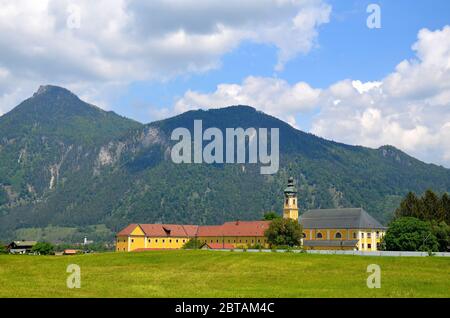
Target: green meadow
{"type": "Point", "coordinates": [184, 273]}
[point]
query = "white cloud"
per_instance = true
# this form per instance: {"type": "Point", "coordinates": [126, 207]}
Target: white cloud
{"type": "Point", "coordinates": [273, 96]}
{"type": "Point", "coordinates": [409, 108]}
{"type": "Point", "coordinates": [365, 87]}
{"type": "Point", "coordinates": [121, 41]}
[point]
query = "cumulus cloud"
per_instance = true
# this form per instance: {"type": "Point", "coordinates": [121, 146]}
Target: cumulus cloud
{"type": "Point", "coordinates": [273, 96]}
{"type": "Point", "coordinates": [121, 41]}
{"type": "Point", "coordinates": [409, 108]}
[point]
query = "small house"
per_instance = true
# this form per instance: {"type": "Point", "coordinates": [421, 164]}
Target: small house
{"type": "Point", "coordinates": [21, 247]}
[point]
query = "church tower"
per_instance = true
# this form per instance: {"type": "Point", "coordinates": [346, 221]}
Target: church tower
{"type": "Point", "coordinates": [290, 210]}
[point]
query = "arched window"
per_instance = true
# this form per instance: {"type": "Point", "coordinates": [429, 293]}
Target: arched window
{"type": "Point", "coordinates": [319, 235]}
{"type": "Point", "coordinates": [338, 235]}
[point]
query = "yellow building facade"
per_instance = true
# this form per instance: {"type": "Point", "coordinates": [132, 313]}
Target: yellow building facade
{"type": "Point", "coordinates": [236, 241]}
{"type": "Point", "coordinates": [323, 229]}
{"type": "Point", "coordinates": [136, 237]}
{"type": "Point", "coordinates": [334, 229]}
{"type": "Point", "coordinates": [341, 229]}
{"type": "Point", "coordinates": [240, 234]}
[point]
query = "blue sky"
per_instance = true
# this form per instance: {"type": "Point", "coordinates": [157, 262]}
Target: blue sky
{"type": "Point", "coordinates": [312, 63]}
{"type": "Point", "coordinates": [346, 48]}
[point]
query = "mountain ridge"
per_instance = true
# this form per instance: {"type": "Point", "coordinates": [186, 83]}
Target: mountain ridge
{"type": "Point", "coordinates": [92, 167]}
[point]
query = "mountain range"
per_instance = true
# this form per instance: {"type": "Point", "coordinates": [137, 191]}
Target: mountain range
{"type": "Point", "coordinates": [71, 168]}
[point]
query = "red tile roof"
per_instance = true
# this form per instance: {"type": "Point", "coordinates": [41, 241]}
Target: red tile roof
{"type": "Point", "coordinates": [127, 231]}
{"type": "Point", "coordinates": [210, 230]}
{"type": "Point", "coordinates": [162, 230]}
{"type": "Point", "coordinates": [169, 230]}
{"type": "Point", "coordinates": [236, 228]}
{"type": "Point", "coordinates": [191, 230]}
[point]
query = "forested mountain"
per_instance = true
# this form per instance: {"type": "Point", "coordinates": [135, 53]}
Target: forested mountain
{"type": "Point", "coordinates": [68, 164]}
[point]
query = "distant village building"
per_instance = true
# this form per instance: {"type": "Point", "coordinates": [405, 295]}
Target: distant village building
{"type": "Point", "coordinates": [86, 241]}
{"type": "Point", "coordinates": [21, 247]}
{"type": "Point", "coordinates": [325, 229]}
{"type": "Point", "coordinates": [70, 252]}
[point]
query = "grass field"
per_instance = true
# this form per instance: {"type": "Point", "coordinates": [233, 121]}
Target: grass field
{"type": "Point", "coordinates": [222, 274]}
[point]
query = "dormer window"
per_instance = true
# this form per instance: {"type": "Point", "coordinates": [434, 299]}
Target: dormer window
{"type": "Point", "coordinates": [167, 231]}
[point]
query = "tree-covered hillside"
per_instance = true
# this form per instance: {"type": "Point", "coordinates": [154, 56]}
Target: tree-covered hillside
{"type": "Point", "coordinates": [69, 164]}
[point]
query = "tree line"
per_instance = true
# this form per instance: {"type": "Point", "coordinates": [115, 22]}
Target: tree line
{"type": "Point", "coordinates": [420, 224]}
{"type": "Point", "coordinates": [429, 207]}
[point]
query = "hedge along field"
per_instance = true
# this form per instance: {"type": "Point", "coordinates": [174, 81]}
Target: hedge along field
{"type": "Point", "coordinates": [183, 273]}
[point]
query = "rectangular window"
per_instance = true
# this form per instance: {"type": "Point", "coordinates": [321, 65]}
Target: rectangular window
{"type": "Point", "coordinates": [369, 235]}
{"type": "Point", "coordinates": [362, 235]}
{"type": "Point", "coordinates": [362, 245]}
{"type": "Point", "coordinates": [369, 245]}
{"type": "Point", "coordinates": [132, 240]}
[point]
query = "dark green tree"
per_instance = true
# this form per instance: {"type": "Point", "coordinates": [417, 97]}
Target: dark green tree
{"type": "Point", "coordinates": [2, 249]}
{"type": "Point", "coordinates": [430, 206]}
{"type": "Point", "coordinates": [445, 206]}
{"type": "Point", "coordinates": [410, 234]}
{"type": "Point", "coordinates": [269, 216]}
{"type": "Point", "coordinates": [409, 206]}
{"type": "Point", "coordinates": [442, 232]}
{"type": "Point", "coordinates": [284, 232]}
{"type": "Point", "coordinates": [3, 196]}
{"type": "Point", "coordinates": [43, 248]}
